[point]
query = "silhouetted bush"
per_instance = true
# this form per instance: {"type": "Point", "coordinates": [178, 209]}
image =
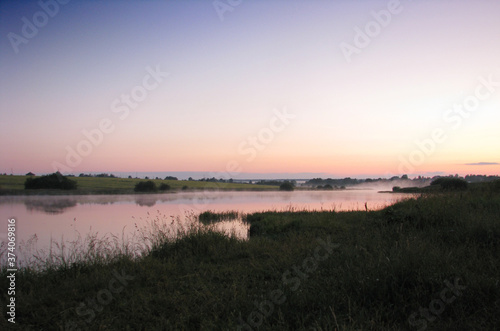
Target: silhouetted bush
{"type": "Point", "coordinates": [148, 186]}
{"type": "Point", "coordinates": [286, 186]}
{"type": "Point", "coordinates": [164, 187]}
{"type": "Point", "coordinates": [448, 183]}
{"type": "Point", "coordinates": [396, 189]}
{"type": "Point", "coordinates": [170, 178]}
{"type": "Point", "coordinates": [53, 181]}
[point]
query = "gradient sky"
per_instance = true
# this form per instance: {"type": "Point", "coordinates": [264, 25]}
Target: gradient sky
{"type": "Point", "coordinates": [227, 78]}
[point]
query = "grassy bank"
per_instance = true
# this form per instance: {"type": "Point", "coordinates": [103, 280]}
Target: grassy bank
{"type": "Point", "coordinates": [14, 185]}
{"type": "Point", "coordinates": [428, 263]}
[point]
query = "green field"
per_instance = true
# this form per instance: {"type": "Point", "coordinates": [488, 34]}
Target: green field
{"type": "Point", "coordinates": [427, 263]}
{"type": "Point", "coordinates": [100, 185]}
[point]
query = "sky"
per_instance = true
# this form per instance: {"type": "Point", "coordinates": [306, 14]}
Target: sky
{"type": "Point", "coordinates": [237, 87]}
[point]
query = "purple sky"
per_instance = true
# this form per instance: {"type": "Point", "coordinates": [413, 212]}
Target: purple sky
{"type": "Point", "coordinates": [391, 106]}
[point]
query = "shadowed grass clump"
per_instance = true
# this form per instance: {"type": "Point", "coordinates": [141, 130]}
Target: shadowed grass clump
{"type": "Point", "coordinates": [362, 270]}
{"type": "Point", "coordinates": [209, 217]}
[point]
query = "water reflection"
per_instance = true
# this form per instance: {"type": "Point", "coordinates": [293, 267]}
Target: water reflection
{"type": "Point", "coordinates": [51, 207]}
{"type": "Point", "coordinates": [146, 201]}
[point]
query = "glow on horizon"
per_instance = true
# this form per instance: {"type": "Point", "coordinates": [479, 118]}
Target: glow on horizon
{"type": "Point", "coordinates": [226, 79]}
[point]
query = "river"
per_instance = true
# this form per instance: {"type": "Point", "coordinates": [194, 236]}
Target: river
{"type": "Point", "coordinates": [41, 220]}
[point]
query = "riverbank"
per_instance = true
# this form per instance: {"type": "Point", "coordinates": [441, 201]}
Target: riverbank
{"type": "Point", "coordinates": [430, 262]}
{"type": "Point", "coordinates": [14, 185]}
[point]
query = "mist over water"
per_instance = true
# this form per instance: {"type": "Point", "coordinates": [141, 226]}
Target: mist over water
{"type": "Point", "coordinates": [388, 185]}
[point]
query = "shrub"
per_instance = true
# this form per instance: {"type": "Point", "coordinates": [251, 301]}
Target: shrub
{"type": "Point", "coordinates": [396, 189]}
{"type": "Point", "coordinates": [286, 186]}
{"type": "Point", "coordinates": [53, 181]}
{"type": "Point", "coordinates": [171, 178]}
{"type": "Point", "coordinates": [148, 186]}
{"type": "Point", "coordinates": [164, 187]}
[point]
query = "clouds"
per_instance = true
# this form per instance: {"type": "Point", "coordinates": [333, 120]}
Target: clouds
{"type": "Point", "coordinates": [482, 164]}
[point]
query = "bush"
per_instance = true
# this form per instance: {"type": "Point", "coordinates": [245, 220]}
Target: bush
{"type": "Point", "coordinates": [53, 181]}
{"type": "Point", "coordinates": [164, 187]}
{"type": "Point", "coordinates": [396, 189]}
{"type": "Point", "coordinates": [448, 183]}
{"type": "Point", "coordinates": [148, 186]}
{"type": "Point", "coordinates": [286, 186]}
{"type": "Point", "coordinates": [171, 178]}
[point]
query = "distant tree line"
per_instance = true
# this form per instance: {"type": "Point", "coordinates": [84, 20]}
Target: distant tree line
{"type": "Point", "coordinates": [214, 180]}
{"type": "Point", "coordinates": [450, 183]}
{"type": "Point", "coordinates": [480, 178]}
{"type": "Point", "coordinates": [276, 182]}
{"type": "Point", "coordinates": [348, 181]}
{"type": "Point", "coordinates": [103, 175]}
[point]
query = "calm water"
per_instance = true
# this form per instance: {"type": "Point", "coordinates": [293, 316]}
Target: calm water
{"type": "Point", "coordinates": [42, 219]}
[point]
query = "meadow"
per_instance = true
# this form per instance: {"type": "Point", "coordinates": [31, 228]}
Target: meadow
{"type": "Point", "coordinates": [432, 262]}
{"type": "Point", "coordinates": [14, 185]}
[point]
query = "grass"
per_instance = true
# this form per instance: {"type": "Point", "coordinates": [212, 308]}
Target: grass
{"type": "Point", "coordinates": [12, 185]}
{"type": "Point", "coordinates": [358, 270]}
{"type": "Point", "coordinates": [209, 217]}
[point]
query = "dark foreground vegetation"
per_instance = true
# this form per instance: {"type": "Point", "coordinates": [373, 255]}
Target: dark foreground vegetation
{"type": "Point", "coordinates": [432, 263]}
{"type": "Point", "coordinates": [444, 184]}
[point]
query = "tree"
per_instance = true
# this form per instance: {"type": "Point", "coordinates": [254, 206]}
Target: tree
{"type": "Point", "coordinates": [53, 181]}
{"type": "Point", "coordinates": [286, 186]}
{"type": "Point", "coordinates": [164, 187]}
{"type": "Point", "coordinates": [171, 178]}
{"type": "Point", "coordinates": [148, 186]}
